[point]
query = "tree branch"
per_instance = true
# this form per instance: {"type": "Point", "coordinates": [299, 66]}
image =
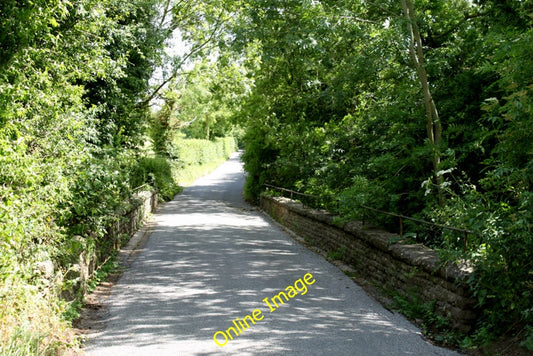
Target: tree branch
{"type": "Point", "coordinates": [391, 13]}
{"type": "Point", "coordinates": [165, 13]}
{"type": "Point", "coordinates": [465, 19]}
{"type": "Point", "coordinates": [185, 124]}
{"type": "Point", "coordinates": [185, 59]}
{"type": "Point", "coordinates": [358, 19]}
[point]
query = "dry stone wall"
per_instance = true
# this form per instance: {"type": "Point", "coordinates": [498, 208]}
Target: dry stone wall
{"type": "Point", "coordinates": [142, 204]}
{"type": "Point", "coordinates": [412, 270]}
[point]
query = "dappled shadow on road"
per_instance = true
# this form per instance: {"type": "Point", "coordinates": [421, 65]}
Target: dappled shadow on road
{"type": "Point", "coordinates": [212, 259]}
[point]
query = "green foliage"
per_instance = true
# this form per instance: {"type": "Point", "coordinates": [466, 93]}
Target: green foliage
{"type": "Point", "coordinates": [339, 254]}
{"type": "Point", "coordinates": [72, 77]}
{"type": "Point", "coordinates": [502, 281]}
{"type": "Point", "coordinates": [497, 205]}
{"type": "Point", "coordinates": [362, 192]}
{"type": "Point", "coordinates": [259, 154]}
{"type": "Point", "coordinates": [26, 343]}
{"type": "Point", "coordinates": [101, 273]}
{"type": "Point", "coordinates": [434, 327]}
{"type": "Point", "coordinates": [160, 132]}
{"type": "Point", "coordinates": [158, 172]}
{"type": "Point", "coordinates": [189, 152]}
{"type": "Point", "coordinates": [187, 160]}
{"type": "Point", "coordinates": [336, 110]}
{"type": "Point", "coordinates": [331, 104]}
{"type": "Point", "coordinates": [99, 190]}
{"type": "Point", "coordinates": [528, 339]}
{"type": "Point", "coordinates": [201, 105]}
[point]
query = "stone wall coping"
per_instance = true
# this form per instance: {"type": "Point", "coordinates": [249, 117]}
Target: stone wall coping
{"type": "Point", "coordinates": [144, 194]}
{"type": "Point", "coordinates": [416, 255]}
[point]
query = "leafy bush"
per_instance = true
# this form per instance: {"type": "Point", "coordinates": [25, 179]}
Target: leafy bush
{"type": "Point", "coordinates": [228, 145]}
{"type": "Point", "coordinates": [158, 172]}
{"type": "Point", "coordinates": [329, 120]}
{"type": "Point", "coordinates": [191, 152]}
{"type": "Point", "coordinates": [72, 78]}
{"type": "Point", "coordinates": [259, 154]}
{"type": "Point", "coordinates": [362, 192]}
{"type": "Point", "coordinates": [503, 278]}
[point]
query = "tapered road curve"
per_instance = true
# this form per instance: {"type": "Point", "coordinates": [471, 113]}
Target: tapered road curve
{"type": "Point", "coordinates": [211, 259]}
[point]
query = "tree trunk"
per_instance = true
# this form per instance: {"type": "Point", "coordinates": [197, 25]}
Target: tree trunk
{"type": "Point", "coordinates": [433, 123]}
{"type": "Point", "coordinates": [207, 126]}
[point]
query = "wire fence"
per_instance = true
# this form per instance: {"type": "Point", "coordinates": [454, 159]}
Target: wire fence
{"type": "Point", "coordinates": [366, 209]}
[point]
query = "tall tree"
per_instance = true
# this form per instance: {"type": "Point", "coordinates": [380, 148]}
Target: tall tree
{"type": "Point", "coordinates": [433, 124]}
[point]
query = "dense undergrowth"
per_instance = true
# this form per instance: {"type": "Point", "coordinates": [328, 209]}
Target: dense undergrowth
{"type": "Point", "coordinates": [74, 118]}
{"type": "Point", "coordinates": [421, 108]}
{"type": "Point", "coordinates": [41, 282]}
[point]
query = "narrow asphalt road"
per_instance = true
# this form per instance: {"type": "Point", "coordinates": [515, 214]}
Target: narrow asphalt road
{"type": "Point", "coordinates": [211, 259]}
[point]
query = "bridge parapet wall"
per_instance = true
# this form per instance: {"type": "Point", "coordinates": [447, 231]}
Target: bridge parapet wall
{"type": "Point", "coordinates": [412, 270]}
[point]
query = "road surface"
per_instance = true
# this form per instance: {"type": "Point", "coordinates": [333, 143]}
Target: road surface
{"type": "Point", "coordinates": [212, 262]}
